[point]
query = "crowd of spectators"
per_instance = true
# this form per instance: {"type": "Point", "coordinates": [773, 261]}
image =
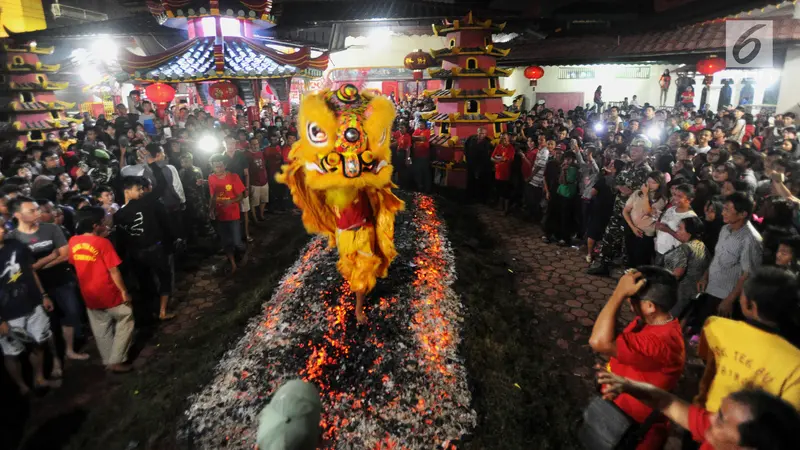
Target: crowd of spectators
{"type": "Point", "coordinates": [702, 211]}
{"type": "Point", "coordinates": [94, 220]}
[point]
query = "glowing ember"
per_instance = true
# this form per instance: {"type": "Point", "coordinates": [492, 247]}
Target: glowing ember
{"type": "Point", "coordinates": [396, 383]}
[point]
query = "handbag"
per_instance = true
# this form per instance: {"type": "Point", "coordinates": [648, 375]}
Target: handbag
{"type": "Point", "coordinates": [607, 427]}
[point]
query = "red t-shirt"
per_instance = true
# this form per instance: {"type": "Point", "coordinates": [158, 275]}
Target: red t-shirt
{"type": "Point", "coordinates": [226, 188]}
{"type": "Point", "coordinates": [285, 153]}
{"type": "Point", "coordinates": [92, 257]}
{"type": "Point", "coordinates": [257, 168]}
{"type": "Point", "coordinates": [502, 169]}
{"type": "Point", "coordinates": [696, 128]}
{"type": "Point", "coordinates": [527, 167]}
{"type": "Point", "coordinates": [274, 159]}
{"type": "Point", "coordinates": [403, 141]}
{"type": "Point", "coordinates": [699, 423]}
{"type": "Point", "coordinates": [654, 354]}
{"type": "Point", "coordinates": [422, 149]}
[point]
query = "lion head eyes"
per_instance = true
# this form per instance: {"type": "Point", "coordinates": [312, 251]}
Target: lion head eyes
{"type": "Point", "coordinates": [316, 135]}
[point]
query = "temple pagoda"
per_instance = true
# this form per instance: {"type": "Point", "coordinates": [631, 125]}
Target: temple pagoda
{"type": "Point", "coordinates": [28, 105]}
{"type": "Point", "coordinates": [221, 46]}
{"type": "Point", "coordinates": [472, 96]}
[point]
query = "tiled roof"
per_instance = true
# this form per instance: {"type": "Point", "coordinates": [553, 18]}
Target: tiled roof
{"type": "Point", "coordinates": [242, 59]}
{"type": "Point", "coordinates": [705, 38]}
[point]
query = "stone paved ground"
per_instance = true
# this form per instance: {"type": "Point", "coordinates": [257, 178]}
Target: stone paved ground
{"type": "Point", "coordinates": [197, 291]}
{"type": "Point", "coordinates": [566, 299]}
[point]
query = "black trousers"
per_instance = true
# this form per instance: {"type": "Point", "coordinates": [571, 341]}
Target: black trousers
{"type": "Point", "coordinates": [533, 201]}
{"type": "Point", "coordinates": [561, 217]}
{"type": "Point", "coordinates": [421, 167]}
{"type": "Point", "coordinates": [640, 250]}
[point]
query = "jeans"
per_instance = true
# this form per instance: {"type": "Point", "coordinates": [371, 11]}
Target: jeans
{"type": "Point", "coordinates": [230, 232]}
{"type": "Point", "coordinates": [68, 305]}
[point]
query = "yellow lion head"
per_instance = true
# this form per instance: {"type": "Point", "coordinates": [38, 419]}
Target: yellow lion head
{"type": "Point", "coordinates": [344, 139]}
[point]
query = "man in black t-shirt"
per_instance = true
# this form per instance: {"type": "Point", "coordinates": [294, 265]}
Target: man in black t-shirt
{"type": "Point", "coordinates": [144, 236]}
{"type": "Point", "coordinates": [23, 319]}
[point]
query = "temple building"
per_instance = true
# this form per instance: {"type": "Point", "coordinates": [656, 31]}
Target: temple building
{"type": "Point", "coordinates": [28, 105]}
{"type": "Point", "coordinates": [471, 96]}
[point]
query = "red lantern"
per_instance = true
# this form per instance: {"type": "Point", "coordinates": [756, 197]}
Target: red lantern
{"type": "Point", "coordinates": [709, 67]}
{"type": "Point", "coordinates": [418, 60]}
{"type": "Point", "coordinates": [160, 93]}
{"type": "Point", "coordinates": [417, 74]}
{"type": "Point", "coordinates": [533, 73]}
{"type": "Point", "coordinates": [222, 90]}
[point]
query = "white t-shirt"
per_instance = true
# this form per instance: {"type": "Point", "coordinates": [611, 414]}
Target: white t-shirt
{"type": "Point", "coordinates": [672, 218]}
{"type": "Point", "coordinates": [703, 150]}
{"type": "Point", "coordinates": [740, 135]}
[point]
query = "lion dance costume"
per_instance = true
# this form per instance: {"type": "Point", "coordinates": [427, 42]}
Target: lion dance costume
{"type": "Point", "coordinates": [340, 174]}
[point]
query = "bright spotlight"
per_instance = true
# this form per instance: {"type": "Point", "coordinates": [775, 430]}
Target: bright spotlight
{"type": "Point", "coordinates": [654, 132]}
{"type": "Point", "coordinates": [104, 48]}
{"type": "Point", "coordinates": [90, 75]}
{"type": "Point", "coordinates": [208, 143]}
{"type": "Point", "coordinates": [598, 127]}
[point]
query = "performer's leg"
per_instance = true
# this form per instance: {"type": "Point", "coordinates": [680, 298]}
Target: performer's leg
{"type": "Point", "coordinates": [361, 317]}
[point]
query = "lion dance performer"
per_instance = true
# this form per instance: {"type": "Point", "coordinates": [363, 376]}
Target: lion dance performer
{"type": "Point", "coordinates": [340, 176]}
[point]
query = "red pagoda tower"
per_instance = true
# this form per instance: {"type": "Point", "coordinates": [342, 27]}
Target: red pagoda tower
{"type": "Point", "coordinates": [28, 105]}
{"type": "Point", "coordinates": [472, 96]}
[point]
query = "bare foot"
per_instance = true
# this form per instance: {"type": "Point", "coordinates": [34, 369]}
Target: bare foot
{"type": "Point", "coordinates": [44, 384]}
{"type": "Point", "coordinates": [164, 316]}
{"type": "Point", "coordinates": [57, 371]}
{"type": "Point", "coordinates": [233, 269]}
{"type": "Point", "coordinates": [245, 258]}
{"type": "Point", "coordinates": [119, 368]}
{"type": "Point", "coordinates": [24, 390]}
{"type": "Point", "coordinates": [361, 317]}
{"type": "Point", "coordinates": [77, 356]}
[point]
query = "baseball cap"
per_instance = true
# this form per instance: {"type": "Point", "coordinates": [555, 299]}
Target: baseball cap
{"type": "Point", "coordinates": [291, 419]}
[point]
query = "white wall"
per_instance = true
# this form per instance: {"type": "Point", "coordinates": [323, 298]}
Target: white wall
{"type": "Point", "coordinates": [789, 97]}
{"type": "Point", "coordinates": [372, 51]}
{"type": "Point", "coordinates": [647, 90]}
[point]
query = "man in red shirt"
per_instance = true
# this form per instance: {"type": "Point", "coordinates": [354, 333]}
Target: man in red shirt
{"type": "Point", "coordinates": [749, 419]}
{"type": "Point", "coordinates": [421, 157]}
{"type": "Point", "coordinates": [259, 185]}
{"type": "Point", "coordinates": [401, 155]}
{"type": "Point", "coordinates": [227, 191]}
{"type": "Point", "coordinates": [650, 349]}
{"type": "Point", "coordinates": [102, 287]}
{"type": "Point", "coordinates": [503, 158]}
{"type": "Point", "coordinates": [274, 158]}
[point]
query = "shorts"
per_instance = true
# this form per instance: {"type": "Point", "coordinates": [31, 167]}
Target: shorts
{"type": "Point", "coordinates": [36, 325]}
{"type": "Point", "coordinates": [259, 195]}
{"type": "Point", "coordinates": [244, 206]}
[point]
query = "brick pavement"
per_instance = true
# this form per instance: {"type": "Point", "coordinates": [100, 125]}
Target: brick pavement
{"type": "Point", "coordinates": [554, 279]}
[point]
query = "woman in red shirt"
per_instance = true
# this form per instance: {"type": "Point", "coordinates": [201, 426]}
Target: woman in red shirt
{"type": "Point", "coordinates": [503, 157]}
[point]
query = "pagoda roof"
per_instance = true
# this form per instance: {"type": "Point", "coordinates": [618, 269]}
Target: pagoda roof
{"type": "Point", "coordinates": [175, 13]}
{"type": "Point", "coordinates": [30, 68]}
{"type": "Point", "coordinates": [470, 93]}
{"type": "Point", "coordinates": [503, 116]}
{"type": "Point", "coordinates": [489, 50]}
{"type": "Point", "coordinates": [31, 86]}
{"type": "Point", "coordinates": [17, 106]}
{"type": "Point", "coordinates": [27, 48]}
{"type": "Point", "coordinates": [23, 126]}
{"type": "Point", "coordinates": [242, 58]}
{"type": "Point", "coordinates": [469, 22]}
{"type": "Point", "coordinates": [459, 72]}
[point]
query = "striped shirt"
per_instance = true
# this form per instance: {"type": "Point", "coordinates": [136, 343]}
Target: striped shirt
{"type": "Point", "coordinates": [538, 166]}
{"type": "Point", "coordinates": [736, 252]}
